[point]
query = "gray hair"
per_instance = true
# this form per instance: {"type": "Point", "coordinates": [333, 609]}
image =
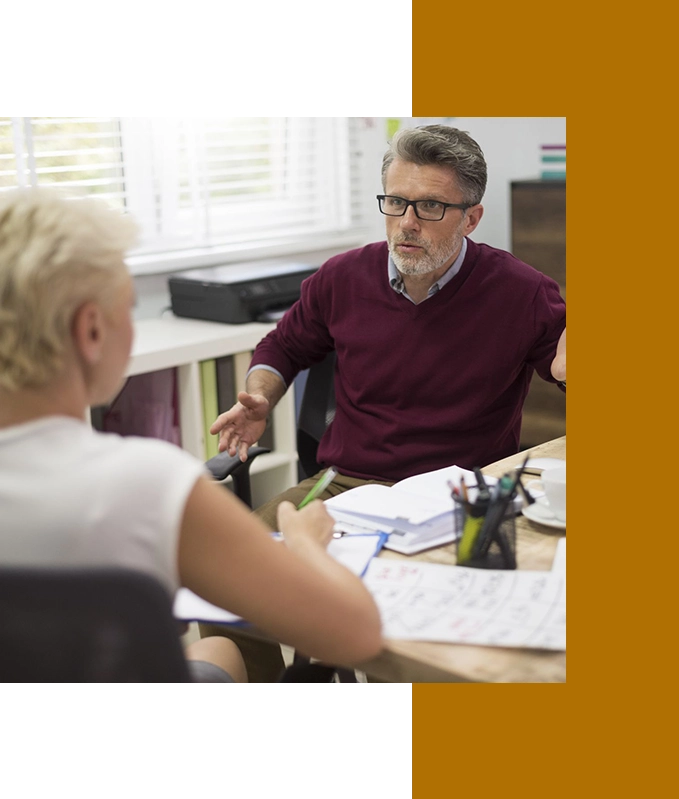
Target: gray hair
{"type": "Point", "coordinates": [441, 145]}
{"type": "Point", "coordinates": [56, 253]}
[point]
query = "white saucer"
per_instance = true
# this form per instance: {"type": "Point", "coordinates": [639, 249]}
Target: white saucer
{"type": "Point", "coordinates": [539, 465]}
{"type": "Point", "coordinates": [539, 512]}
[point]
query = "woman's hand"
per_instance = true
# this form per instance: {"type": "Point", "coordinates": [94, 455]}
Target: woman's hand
{"type": "Point", "coordinates": [311, 524]}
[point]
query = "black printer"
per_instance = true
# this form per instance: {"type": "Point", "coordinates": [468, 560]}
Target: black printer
{"type": "Point", "coordinates": [239, 293]}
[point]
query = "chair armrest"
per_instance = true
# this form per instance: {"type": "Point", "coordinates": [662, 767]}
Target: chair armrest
{"type": "Point", "coordinates": [225, 465]}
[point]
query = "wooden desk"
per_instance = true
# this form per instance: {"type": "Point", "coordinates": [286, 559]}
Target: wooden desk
{"type": "Point", "coordinates": [417, 661]}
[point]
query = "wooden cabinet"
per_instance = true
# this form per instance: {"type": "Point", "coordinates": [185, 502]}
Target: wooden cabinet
{"type": "Point", "coordinates": [538, 210]}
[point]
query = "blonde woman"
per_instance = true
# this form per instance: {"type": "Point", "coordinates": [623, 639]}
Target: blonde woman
{"type": "Point", "coordinates": [70, 496]}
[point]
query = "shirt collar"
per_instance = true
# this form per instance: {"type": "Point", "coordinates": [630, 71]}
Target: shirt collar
{"type": "Point", "coordinates": [396, 281]}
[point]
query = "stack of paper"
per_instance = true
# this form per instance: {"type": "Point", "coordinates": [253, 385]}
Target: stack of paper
{"type": "Point", "coordinates": [413, 522]}
{"type": "Point", "coordinates": [417, 512]}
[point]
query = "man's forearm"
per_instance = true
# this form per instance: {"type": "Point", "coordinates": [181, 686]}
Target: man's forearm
{"type": "Point", "coordinates": [266, 383]}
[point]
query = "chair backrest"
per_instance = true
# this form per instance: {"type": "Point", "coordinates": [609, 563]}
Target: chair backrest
{"type": "Point", "coordinates": [316, 412]}
{"type": "Point", "coordinates": [87, 625]}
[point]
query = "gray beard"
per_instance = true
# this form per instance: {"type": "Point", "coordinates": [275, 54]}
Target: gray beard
{"type": "Point", "coordinates": [425, 263]}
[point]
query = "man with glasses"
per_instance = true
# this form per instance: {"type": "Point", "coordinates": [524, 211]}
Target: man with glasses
{"type": "Point", "coordinates": [436, 336]}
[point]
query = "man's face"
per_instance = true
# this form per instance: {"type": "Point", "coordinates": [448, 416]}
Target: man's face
{"type": "Point", "coordinates": [419, 247]}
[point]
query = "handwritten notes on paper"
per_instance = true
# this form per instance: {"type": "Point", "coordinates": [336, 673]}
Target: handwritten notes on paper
{"type": "Point", "coordinates": [432, 602]}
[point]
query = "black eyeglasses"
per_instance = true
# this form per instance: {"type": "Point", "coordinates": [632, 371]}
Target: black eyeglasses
{"type": "Point", "coordinates": [427, 210]}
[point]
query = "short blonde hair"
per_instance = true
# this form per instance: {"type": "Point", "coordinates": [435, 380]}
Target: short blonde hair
{"type": "Point", "coordinates": [56, 252]}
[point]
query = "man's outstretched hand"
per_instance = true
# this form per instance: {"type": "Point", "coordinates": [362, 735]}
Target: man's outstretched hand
{"type": "Point", "coordinates": [241, 426]}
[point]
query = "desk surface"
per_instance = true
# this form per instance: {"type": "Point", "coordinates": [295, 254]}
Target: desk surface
{"type": "Point", "coordinates": [417, 661]}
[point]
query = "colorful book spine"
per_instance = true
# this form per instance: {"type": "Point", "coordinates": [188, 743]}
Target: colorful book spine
{"type": "Point", "coordinates": [208, 388]}
{"type": "Point", "coordinates": [553, 162]}
{"type": "Point", "coordinates": [226, 386]}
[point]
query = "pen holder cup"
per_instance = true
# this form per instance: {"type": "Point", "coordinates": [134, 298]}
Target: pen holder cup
{"type": "Point", "coordinates": [500, 554]}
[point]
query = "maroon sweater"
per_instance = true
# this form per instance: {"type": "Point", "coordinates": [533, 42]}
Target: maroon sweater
{"type": "Point", "coordinates": [420, 387]}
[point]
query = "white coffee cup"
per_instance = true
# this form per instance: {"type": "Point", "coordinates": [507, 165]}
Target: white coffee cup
{"type": "Point", "coordinates": [554, 486]}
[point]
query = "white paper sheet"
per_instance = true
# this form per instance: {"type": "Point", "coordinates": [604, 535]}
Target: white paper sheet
{"type": "Point", "coordinates": [432, 602]}
{"type": "Point", "coordinates": [559, 563]}
{"type": "Point", "coordinates": [435, 484]}
{"type": "Point", "coordinates": [390, 504]}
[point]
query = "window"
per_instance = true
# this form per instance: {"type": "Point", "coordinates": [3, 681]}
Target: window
{"type": "Point", "coordinates": [202, 189]}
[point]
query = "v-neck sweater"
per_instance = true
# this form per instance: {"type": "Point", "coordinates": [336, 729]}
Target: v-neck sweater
{"type": "Point", "coordinates": [421, 387]}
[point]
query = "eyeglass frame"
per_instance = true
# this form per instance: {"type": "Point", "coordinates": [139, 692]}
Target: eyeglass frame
{"type": "Point", "coordinates": [460, 206]}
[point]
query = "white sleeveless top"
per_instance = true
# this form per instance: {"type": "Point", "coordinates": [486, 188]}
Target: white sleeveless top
{"type": "Point", "coordinates": [70, 496]}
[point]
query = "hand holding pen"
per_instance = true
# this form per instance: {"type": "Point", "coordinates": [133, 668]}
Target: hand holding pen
{"type": "Point", "coordinates": [298, 528]}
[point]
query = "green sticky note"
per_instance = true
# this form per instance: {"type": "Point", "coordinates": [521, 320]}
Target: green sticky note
{"type": "Point", "coordinates": [392, 126]}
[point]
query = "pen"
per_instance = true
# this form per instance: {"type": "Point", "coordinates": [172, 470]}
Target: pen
{"type": "Point", "coordinates": [530, 499]}
{"type": "Point", "coordinates": [473, 522]}
{"type": "Point", "coordinates": [480, 482]}
{"type": "Point", "coordinates": [502, 492]}
{"type": "Point", "coordinates": [319, 488]}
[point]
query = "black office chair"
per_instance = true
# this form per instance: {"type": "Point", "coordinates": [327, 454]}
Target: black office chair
{"type": "Point", "coordinates": [87, 625]}
{"type": "Point", "coordinates": [224, 465]}
{"type": "Point", "coordinates": [316, 412]}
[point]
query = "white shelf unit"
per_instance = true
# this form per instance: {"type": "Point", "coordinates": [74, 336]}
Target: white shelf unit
{"type": "Point", "coordinates": [172, 342]}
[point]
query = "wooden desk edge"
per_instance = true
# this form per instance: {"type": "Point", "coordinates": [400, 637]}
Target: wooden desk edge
{"type": "Point", "coordinates": [426, 661]}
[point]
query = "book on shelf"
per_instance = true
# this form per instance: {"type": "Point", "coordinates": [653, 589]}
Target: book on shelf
{"type": "Point", "coordinates": [146, 406]}
{"type": "Point", "coordinates": [553, 174]}
{"type": "Point", "coordinates": [208, 390]}
{"type": "Point", "coordinates": [552, 149]}
{"type": "Point", "coordinates": [226, 383]}
{"type": "Point", "coordinates": [417, 513]}
{"type": "Point", "coordinates": [553, 162]}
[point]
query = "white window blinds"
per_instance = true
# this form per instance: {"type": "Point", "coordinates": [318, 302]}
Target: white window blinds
{"type": "Point", "coordinates": [201, 185]}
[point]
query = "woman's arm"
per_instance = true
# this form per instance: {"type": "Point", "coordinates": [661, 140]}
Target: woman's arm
{"type": "Point", "coordinates": [295, 591]}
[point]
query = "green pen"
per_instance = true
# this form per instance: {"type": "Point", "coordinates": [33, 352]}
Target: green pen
{"type": "Point", "coordinates": [474, 518]}
{"type": "Point", "coordinates": [319, 488]}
